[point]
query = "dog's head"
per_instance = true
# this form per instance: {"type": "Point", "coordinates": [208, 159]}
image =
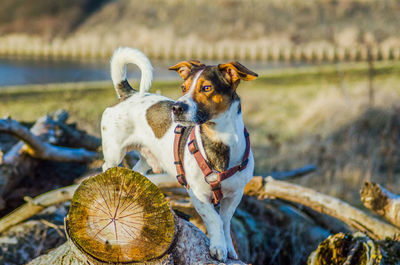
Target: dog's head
{"type": "Point", "coordinates": [208, 91]}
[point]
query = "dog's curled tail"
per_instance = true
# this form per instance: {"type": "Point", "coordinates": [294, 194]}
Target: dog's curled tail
{"type": "Point", "coordinates": [123, 56]}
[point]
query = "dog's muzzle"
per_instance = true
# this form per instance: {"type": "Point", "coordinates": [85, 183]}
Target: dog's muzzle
{"type": "Point", "coordinates": [179, 108]}
{"type": "Point", "coordinates": [179, 111]}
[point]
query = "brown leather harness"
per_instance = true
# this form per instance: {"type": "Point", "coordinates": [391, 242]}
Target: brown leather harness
{"type": "Point", "coordinates": [181, 136]}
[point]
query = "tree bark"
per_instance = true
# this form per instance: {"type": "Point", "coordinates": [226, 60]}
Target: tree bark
{"type": "Point", "coordinates": [190, 247]}
{"type": "Point", "coordinates": [42, 141]}
{"type": "Point", "coordinates": [381, 201]}
{"type": "Point", "coordinates": [35, 205]}
{"type": "Point", "coordinates": [347, 250]}
{"type": "Point", "coordinates": [270, 188]}
{"type": "Point", "coordinates": [37, 148]}
{"type": "Point", "coordinates": [121, 217]}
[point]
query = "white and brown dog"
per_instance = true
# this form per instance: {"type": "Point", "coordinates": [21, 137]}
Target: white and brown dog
{"type": "Point", "coordinates": [211, 105]}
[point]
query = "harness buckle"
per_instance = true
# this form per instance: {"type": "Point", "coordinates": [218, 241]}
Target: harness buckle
{"type": "Point", "coordinates": [193, 148]}
{"type": "Point", "coordinates": [243, 164]}
{"type": "Point", "coordinates": [181, 179]}
{"type": "Point", "coordinates": [179, 129]}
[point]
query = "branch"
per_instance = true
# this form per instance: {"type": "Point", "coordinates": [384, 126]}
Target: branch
{"type": "Point", "coordinates": [295, 173]}
{"type": "Point", "coordinates": [381, 201]}
{"type": "Point", "coordinates": [36, 205]}
{"type": "Point", "coordinates": [322, 203]}
{"type": "Point", "coordinates": [42, 150]}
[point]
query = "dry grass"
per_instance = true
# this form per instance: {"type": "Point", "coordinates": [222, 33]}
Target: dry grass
{"type": "Point", "coordinates": [319, 123]}
{"type": "Point", "coordinates": [295, 117]}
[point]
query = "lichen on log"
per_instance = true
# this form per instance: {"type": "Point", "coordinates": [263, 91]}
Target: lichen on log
{"type": "Point", "coordinates": [347, 249]}
{"type": "Point", "coordinates": [120, 216]}
{"type": "Point", "coordinates": [381, 201]}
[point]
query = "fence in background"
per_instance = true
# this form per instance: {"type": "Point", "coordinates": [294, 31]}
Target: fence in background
{"type": "Point", "coordinates": [36, 48]}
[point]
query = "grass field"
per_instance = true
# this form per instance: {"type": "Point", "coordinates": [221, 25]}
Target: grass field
{"type": "Point", "coordinates": [319, 115]}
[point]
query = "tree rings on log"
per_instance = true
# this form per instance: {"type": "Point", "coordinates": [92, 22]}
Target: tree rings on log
{"type": "Point", "coordinates": [119, 216]}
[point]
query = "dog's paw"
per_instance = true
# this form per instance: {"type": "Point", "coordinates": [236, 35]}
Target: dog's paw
{"type": "Point", "coordinates": [218, 252]}
{"type": "Point", "coordinates": [232, 253]}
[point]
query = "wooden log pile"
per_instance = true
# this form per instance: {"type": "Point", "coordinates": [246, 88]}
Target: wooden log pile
{"type": "Point", "coordinates": [277, 222]}
{"type": "Point", "coordinates": [50, 138]}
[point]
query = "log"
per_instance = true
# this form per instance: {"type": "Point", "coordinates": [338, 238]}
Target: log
{"type": "Point", "coordinates": [42, 141]}
{"type": "Point", "coordinates": [43, 150]}
{"type": "Point", "coordinates": [36, 205]}
{"type": "Point", "coordinates": [347, 249]}
{"type": "Point", "coordinates": [270, 188]}
{"type": "Point", "coordinates": [355, 249]}
{"type": "Point", "coordinates": [119, 216]}
{"type": "Point", "coordinates": [69, 135]}
{"type": "Point", "coordinates": [381, 201]}
{"type": "Point", "coordinates": [264, 230]}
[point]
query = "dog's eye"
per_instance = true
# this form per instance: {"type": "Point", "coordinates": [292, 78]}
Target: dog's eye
{"type": "Point", "coordinates": [206, 88]}
{"type": "Point", "coordinates": [183, 88]}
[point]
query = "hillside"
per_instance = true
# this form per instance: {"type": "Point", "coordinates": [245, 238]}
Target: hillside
{"type": "Point", "coordinates": [45, 17]}
{"type": "Point", "coordinates": [284, 23]}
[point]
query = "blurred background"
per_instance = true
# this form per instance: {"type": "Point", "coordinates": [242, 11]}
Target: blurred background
{"type": "Point", "coordinates": [328, 92]}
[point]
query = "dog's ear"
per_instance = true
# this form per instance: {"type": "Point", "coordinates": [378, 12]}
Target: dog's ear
{"type": "Point", "coordinates": [234, 72]}
{"type": "Point", "coordinates": [184, 68]}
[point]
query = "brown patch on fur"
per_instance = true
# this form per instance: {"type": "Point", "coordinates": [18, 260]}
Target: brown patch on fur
{"type": "Point", "coordinates": [124, 89]}
{"type": "Point", "coordinates": [159, 117]}
{"type": "Point", "coordinates": [213, 102]}
{"type": "Point", "coordinates": [184, 68]}
{"type": "Point", "coordinates": [215, 89]}
{"type": "Point", "coordinates": [217, 153]}
{"type": "Point", "coordinates": [186, 84]}
{"type": "Point", "coordinates": [235, 71]}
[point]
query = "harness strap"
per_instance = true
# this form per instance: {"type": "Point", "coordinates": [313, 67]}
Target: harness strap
{"type": "Point", "coordinates": [181, 135]}
{"type": "Point", "coordinates": [207, 170]}
{"type": "Point", "coordinates": [194, 150]}
{"type": "Point", "coordinates": [178, 161]}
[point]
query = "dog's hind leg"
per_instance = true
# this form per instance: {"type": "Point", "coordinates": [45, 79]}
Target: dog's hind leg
{"type": "Point", "coordinates": [226, 211]}
{"type": "Point", "coordinates": [214, 225]}
{"type": "Point", "coordinates": [141, 166]}
{"type": "Point", "coordinates": [161, 179]}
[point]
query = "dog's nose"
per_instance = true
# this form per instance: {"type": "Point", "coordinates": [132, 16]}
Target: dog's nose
{"type": "Point", "coordinates": [178, 108]}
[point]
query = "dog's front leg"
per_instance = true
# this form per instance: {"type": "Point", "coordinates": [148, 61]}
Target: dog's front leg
{"type": "Point", "coordinates": [226, 211]}
{"type": "Point", "coordinates": [214, 225]}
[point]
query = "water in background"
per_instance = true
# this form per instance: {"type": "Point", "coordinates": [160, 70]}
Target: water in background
{"type": "Point", "coordinates": [24, 71]}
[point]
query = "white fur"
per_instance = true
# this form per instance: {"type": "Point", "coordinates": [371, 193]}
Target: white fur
{"type": "Point", "coordinates": [124, 55]}
{"type": "Point", "coordinates": [125, 125]}
{"type": "Point", "coordinates": [188, 99]}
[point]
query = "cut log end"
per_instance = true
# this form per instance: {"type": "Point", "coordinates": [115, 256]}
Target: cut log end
{"type": "Point", "coordinates": [120, 216]}
{"type": "Point", "coordinates": [373, 197]}
{"type": "Point", "coordinates": [346, 249]}
{"type": "Point", "coordinates": [381, 201]}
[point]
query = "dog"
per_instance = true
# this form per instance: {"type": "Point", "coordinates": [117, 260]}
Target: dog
{"type": "Point", "coordinates": [211, 107]}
